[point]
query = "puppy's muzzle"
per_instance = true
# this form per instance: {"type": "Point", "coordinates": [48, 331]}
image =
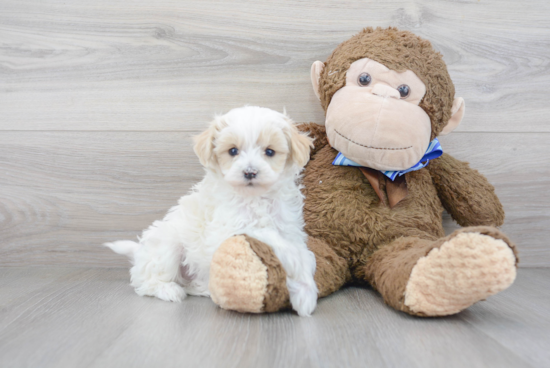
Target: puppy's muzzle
{"type": "Point", "coordinates": [250, 173]}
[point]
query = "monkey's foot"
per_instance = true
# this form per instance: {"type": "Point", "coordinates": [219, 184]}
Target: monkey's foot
{"type": "Point", "coordinates": [466, 268]}
{"type": "Point", "coordinates": [246, 276]}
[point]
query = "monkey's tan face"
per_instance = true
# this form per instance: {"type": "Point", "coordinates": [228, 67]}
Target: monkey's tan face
{"type": "Point", "coordinates": [375, 119]}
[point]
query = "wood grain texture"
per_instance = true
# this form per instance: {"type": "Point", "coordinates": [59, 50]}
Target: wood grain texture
{"type": "Point", "coordinates": [115, 64]}
{"type": "Point", "coordinates": [65, 193]}
{"type": "Point", "coordinates": [98, 100]}
{"type": "Point", "coordinates": [63, 317]}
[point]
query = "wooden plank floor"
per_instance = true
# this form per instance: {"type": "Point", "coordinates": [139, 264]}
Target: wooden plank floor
{"type": "Point", "coordinates": [89, 317]}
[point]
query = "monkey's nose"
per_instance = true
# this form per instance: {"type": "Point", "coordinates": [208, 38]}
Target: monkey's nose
{"type": "Point", "coordinates": [383, 90]}
{"type": "Point", "coordinates": [250, 173]}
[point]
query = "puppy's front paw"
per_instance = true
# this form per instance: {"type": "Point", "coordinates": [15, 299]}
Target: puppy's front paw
{"type": "Point", "coordinates": [168, 291]}
{"type": "Point", "coordinates": [303, 296]}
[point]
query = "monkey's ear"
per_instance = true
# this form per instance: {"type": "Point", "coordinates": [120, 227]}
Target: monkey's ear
{"type": "Point", "coordinates": [316, 70]}
{"type": "Point", "coordinates": [457, 113]}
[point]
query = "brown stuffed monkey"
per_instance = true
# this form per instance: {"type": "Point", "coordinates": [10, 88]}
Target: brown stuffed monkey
{"type": "Point", "coordinates": [387, 95]}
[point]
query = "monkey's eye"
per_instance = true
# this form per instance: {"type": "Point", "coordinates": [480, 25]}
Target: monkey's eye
{"type": "Point", "coordinates": [404, 90]}
{"type": "Point", "coordinates": [364, 79]}
{"type": "Point", "coordinates": [233, 152]}
{"type": "Point", "coordinates": [270, 152]}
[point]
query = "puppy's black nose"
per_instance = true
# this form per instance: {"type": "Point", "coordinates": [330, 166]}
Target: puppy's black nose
{"type": "Point", "coordinates": [250, 174]}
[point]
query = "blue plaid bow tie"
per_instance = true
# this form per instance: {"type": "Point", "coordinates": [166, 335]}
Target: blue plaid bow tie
{"type": "Point", "coordinates": [434, 151]}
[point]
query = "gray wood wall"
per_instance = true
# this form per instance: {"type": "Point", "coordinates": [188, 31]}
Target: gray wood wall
{"type": "Point", "coordinates": [98, 100]}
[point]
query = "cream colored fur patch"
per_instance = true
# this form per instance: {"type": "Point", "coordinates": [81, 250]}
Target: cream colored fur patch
{"type": "Point", "coordinates": [464, 270]}
{"type": "Point", "coordinates": [238, 278]}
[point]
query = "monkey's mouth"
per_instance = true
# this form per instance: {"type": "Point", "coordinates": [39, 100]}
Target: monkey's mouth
{"type": "Point", "coordinates": [371, 147]}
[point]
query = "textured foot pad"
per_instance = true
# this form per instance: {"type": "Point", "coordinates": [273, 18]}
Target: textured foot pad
{"type": "Point", "coordinates": [238, 278]}
{"type": "Point", "coordinates": [464, 270]}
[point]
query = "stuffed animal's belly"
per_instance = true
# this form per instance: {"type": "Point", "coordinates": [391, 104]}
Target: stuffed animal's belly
{"type": "Point", "coordinates": [342, 208]}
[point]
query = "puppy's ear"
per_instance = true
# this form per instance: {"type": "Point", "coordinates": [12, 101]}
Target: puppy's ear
{"type": "Point", "coordinates": [300, 144]}
{"type": "Point", "coordinates": [204, 142]}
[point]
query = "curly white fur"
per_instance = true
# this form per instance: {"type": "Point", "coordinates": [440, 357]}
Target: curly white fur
{"type": "Point", "coordinates": [173, 255]}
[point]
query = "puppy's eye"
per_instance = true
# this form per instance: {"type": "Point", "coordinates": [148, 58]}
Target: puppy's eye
{"type": "Point", "coordinates": [364, 79]}
{"type": "Point", "coordinates": [270, 152]}
{"type": "Point", "coordinates": [404, 90]}
{"type": "Point", "coordinates": [233, 152]}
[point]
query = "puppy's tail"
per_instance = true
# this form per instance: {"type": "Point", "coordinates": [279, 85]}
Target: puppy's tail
{"type": "Point", "coordinates": [124, 247]}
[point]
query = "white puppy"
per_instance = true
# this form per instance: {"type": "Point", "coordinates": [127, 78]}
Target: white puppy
{"type": "Point", "coordinates": [253, 157]}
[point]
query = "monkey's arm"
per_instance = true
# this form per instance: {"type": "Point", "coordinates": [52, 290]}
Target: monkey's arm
{"type": "Point", "coordinates": [466, 194]}
{"type": "Point", "coordinates": [317, 132]}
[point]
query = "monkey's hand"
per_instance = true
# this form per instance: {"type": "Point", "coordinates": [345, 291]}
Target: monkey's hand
{"type": "Point", "coordinates": [317, 132]}
{"type": "Point", "coordinates": [465, 193]}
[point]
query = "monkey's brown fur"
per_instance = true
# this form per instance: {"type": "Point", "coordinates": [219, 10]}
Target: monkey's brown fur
{"type": "Point", "coordinates": [354, 235]}
{"type": "Point", "coordinates": [343, 211]}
